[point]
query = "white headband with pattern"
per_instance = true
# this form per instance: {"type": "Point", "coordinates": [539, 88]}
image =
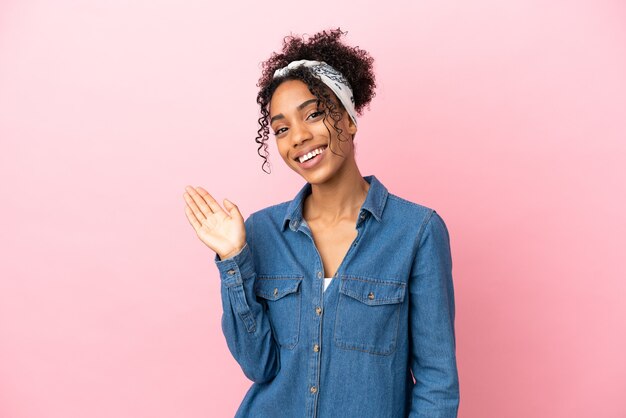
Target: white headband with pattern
{"type": "Point", "coordinates": [329, 76]}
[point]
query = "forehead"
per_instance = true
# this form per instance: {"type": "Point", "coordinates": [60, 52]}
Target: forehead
{"type": "Point", "coordinates": [288, 95]}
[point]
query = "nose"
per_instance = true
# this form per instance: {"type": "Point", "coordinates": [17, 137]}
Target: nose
{"type": "Point", "coordinates": [300, 132]}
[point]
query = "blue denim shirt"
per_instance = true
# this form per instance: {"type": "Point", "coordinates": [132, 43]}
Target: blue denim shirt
{"type": "Point", "coordinates": [379, 342]}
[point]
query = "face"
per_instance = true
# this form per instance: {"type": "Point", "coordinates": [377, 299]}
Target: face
{"type": "Point", "coordinates": [300, 127]}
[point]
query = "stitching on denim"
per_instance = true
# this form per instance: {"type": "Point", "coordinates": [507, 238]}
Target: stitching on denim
{"type": "Point", "coordinates": [291, 341]}
{"type": "Point", "coordinates": [408, 202]}
{"type": "Point", "coordinates": [279, 276]}
{"type": "Point", "coordinates": [296, 337]}
{"type": "Point", "coordinates": [371, 303]}
{"type": "Point", "coordinates": [369, 279]}
{"type": "Point", "coordinates": [359, 296]}
{"type": "Point", "coordinates": [248, 320]}
{"type": "Point", "coordinates": [381, 205]}
{"type": "Point", "coordinates": [424, 225]}
{"type": "Point", "coordinates": [361, 347]}
{"type": "Point", "coordinates": [241, 306]}
{"type": "Point", "coordinates": [345, 346]}
{"type": "Point", "coordinates": [264, 293]}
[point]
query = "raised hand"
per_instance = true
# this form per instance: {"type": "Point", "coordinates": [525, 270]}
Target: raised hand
{"type": "Point", "coordinates": [221, 230]}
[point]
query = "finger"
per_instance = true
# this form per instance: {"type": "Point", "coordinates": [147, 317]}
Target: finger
{"type": "Point", "coordinates": [215, 207]}
{"type": "Point", "coordinates": [201, 202]}
{"type": "Point", "coordinates": [199, 214]}
{"type": "Point", "coordinates": [192, 219]}
{"type": "Point", "coordinates": [233, 209]}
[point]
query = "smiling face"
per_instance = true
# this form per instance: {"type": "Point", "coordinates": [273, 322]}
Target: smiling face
{"type": "Point", "coordinates": [301, 128]}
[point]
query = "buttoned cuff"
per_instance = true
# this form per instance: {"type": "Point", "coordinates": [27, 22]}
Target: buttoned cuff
{"type": "Point", "coordinates": [237, 268]}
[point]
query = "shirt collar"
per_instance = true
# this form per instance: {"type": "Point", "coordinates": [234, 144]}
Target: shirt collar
{"type": "Point", "coordinates": [374, 202]}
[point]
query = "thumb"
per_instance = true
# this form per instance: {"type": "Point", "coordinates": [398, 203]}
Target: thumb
{"type": "Point", "coordinates": [233, 210]}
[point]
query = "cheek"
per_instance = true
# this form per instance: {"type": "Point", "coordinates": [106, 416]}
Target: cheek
{"type": "Point", "coordinates": [282, 148]}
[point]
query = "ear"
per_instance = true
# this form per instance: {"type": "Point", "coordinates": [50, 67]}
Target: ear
{"type": "Point", "coordinates": [352, 128]}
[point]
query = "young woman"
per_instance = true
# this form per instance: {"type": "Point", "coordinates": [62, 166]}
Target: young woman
{"type": "Point", "coordinates": [340, 302]}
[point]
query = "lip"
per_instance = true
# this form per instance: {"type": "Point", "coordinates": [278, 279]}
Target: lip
{"type": "Point", "coordinates": [313, 162]}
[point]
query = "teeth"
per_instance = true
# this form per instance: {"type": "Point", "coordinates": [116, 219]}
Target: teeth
{"type": "Point", "coordinates": [310, 155]}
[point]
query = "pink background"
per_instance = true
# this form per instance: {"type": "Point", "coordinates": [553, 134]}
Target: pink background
{"type": "Point", "coordinates": [507, 117]}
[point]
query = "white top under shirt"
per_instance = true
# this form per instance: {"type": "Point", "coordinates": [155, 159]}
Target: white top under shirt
{"type": "Point", "coordinates": [327, 282]}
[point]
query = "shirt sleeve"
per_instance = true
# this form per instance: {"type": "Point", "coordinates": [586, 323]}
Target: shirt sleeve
{"type": "Point", "coordinates": [245, 324]}
{"type": "Point", "coordinates": [433, 343]}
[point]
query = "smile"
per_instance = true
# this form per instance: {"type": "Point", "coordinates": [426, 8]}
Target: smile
{"type": "Point", "coordinates": [311, 154]}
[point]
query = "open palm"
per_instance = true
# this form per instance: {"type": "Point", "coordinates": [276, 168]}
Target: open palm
{"type": "Point", "coordinates": [222, 230]}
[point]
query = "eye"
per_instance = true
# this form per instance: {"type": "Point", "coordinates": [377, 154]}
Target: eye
{"type": "Point", "coordinates": [279, 131]}
{"type": "Point", "coordinates": [316, 114]}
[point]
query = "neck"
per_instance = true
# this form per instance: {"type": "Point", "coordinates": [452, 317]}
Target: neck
{"type": "Point", "coordinates": [338, 199]}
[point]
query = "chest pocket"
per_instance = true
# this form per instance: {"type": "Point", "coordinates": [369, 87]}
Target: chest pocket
{"type": "Point", "coordinates": [282, 299]}
{"type": "Point", "coordinates": [368, 313]}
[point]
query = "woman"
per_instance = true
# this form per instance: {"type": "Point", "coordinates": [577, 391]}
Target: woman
{"type": "Point", "coordinates": [340, 302]}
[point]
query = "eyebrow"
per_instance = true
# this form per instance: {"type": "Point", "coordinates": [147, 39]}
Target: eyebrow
{"type": "Point", "coordinates": [300, 107]}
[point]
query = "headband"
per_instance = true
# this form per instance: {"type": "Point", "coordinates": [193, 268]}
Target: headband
{"type": "Point", "coordinates": [329, 76]}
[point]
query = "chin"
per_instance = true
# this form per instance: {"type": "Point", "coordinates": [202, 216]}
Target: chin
{"type": "Point", "coordinates": [318, 177]}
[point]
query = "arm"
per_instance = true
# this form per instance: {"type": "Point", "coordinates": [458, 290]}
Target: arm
{"type": "Point", "coordinates": [244, 322]}
{"type": "Point", "coordinates": [432, 335]}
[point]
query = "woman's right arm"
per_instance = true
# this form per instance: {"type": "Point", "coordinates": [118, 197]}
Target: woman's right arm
{"type": "Point", "coordinates": [244, 322]}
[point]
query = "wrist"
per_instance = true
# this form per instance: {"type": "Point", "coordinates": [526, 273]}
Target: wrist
{"type": "Point", "coordinates": [232, 253]}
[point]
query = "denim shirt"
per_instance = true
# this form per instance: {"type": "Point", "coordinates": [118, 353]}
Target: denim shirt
{"type": "Point", "coordinates": [379, 342]}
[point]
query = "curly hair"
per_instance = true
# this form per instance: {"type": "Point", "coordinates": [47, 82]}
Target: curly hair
{"type": "Point", "coordinates": [354, 63]}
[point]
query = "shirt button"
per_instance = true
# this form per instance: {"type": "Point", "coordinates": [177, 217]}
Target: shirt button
{"type": "Point", "coordinates": [370, 296]}
{"type": "Point", "coordinates": [319, 274]}
{"type": "Point", "coordinates": [316, 348]}
{"type": "Point", "coordinates": [362, 216]}
{"type": "Point", "coordinates": [275, 291]}
{"type": "Point", "coordinates": [313, 389]}
{"type": "Point", "coordinates": [318, 311]}
{"type": "Point", "coordinates": [231, 272]}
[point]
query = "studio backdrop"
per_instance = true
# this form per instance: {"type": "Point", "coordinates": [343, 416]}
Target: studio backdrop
{"type": "Point", "coordinates": [507, 117]}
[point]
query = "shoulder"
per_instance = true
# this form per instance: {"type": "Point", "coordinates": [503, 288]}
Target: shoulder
{"type": "Point", "coordinates": [399, 205]}
{"type": "Point", "coordinates": [407, 204]}
{"type": "Point", "coordinates": [265, 222]}
{"type": "Point", "coordinates": [422, 216]}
